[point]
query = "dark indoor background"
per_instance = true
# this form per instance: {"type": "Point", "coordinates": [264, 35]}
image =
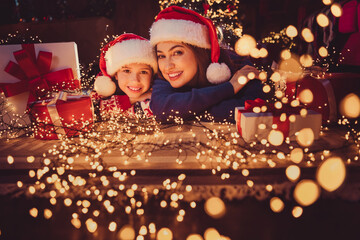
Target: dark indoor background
{"type": "Point", "coordinates": [88, 22]}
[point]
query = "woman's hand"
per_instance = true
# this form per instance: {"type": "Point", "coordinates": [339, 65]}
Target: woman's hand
{"type": "Point", "coordinates": [238, 82]}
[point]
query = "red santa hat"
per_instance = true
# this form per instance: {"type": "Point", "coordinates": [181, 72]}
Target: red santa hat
{"type": "Point", "coordinates": [183, 25]}
{"type": "Point", "coordinates": [126, 49]}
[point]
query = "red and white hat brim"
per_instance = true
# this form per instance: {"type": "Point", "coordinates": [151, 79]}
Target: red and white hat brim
{"type": "Point", "coordinates": [180, 30]}
{"type": "Point", "coordinates": [127, 52]}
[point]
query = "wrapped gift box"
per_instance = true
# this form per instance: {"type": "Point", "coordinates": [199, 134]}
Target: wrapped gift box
{"type": "Point", "coordinates": [29, 71]}
{"type": "Point", "coordinates": [62, 115]}
{"type": "Point", "coordinates": [247, 124]}
{"type": "Point", "coordinates": [328, 91]}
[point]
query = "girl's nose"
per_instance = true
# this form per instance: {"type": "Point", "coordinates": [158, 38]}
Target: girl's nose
{"type": "Point", "coordinates": [135, 77]}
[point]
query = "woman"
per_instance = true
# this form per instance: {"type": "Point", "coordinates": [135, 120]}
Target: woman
{"type": "Point", "coordinates": [188, 56]}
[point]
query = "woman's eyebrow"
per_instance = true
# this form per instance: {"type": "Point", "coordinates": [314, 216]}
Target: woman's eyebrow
{"type": "Point", "coordinates": [175, 46]}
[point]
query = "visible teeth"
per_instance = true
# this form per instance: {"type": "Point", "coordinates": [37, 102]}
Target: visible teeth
{"type": "Point", "coordinates": [174, 74]}
{"type": "Point", "coordinates": [134, 89]}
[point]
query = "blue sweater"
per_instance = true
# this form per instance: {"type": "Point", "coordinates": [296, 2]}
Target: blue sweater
{"type": "Point", "coordinates": [218, 100]}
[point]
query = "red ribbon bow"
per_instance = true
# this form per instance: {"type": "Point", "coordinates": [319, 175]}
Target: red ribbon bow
{"type": "Point", "coordinates": [282, 126]}
{"type": "Point", "coordinates": [34, 75]}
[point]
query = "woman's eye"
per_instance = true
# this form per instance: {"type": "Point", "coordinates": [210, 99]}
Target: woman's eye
{"type": "Point", "coordinates": [178, 53]}
{"type": "Point", "coordinates": [160, 56]}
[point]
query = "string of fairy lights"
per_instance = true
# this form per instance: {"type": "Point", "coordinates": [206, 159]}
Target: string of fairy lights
{"type": "Point", "coordinates": [106, 194]}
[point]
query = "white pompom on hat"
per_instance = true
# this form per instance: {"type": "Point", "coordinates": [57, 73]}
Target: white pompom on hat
{"type": "Point", "coordinates": [183, 25]}
{"type": "Point", "coordinates": [126, 49]}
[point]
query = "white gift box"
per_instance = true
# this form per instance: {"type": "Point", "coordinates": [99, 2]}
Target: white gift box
{"type": "Point", "coordinates": [247, 124]}
{"type": "Point", "coordinates": [64, 55]}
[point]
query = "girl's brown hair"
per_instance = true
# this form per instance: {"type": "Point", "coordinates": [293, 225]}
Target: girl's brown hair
{"type": "Point", "coordinates": [203, 59]}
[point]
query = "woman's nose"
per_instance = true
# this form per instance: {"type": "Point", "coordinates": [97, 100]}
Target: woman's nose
{"type": "Point", "coordinates": [169, 64]}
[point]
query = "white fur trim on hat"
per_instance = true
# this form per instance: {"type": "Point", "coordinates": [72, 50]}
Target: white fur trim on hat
{"type": "Point", "coordinates": [127, 52]}
{"type": "Point", "coordinates": [217, 73]}
{"type": "Point", "coordinates": [180, 30]}
{"type": "Point", "coordinates": [104, 86]}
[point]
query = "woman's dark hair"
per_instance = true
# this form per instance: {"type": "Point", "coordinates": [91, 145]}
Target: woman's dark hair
{"type": "Point", "coordinates": [203, 58]}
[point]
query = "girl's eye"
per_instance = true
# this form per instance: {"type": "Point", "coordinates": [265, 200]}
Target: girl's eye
{"type": "Point", "coordinates": [160, 56]}
{"type": "Point", "coordinates": [126, 70]}
{"type": "Point", "coordinates": [144, 72]}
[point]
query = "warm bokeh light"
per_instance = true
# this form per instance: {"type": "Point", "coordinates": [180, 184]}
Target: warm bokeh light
{"type": "Point", "coordinates": [91, 225]}
{"type": "Point", "coordinates": [30, 159]}
{"type": "Point", "coordinates": [276, 137]}
{"type": "Point", "coordinates": [255, 53]}
{"type": "Point", "coordinates": [33, 212]}
{"type": "Point", "coordinates": [276, 204]}
{"type": "Point", "coordinates": [275, 77]}
{"type": "Point", "coordinates": [263, 76]}
{"type": "Point", "coordinates": [76, 223]}
{"type": "Point", "coordinates": [285, 54]}
{"type": "Point", "coordinates": [244, 45]}
{"type": "Point", "coordinates": [263, 52]}
{"type": "Point", "coordinates": [306, 192]}
{"type": "Point", "coordinates": [323, 52]}
{"type": "Point", "coordinates": [292, 68]}
{"type": "Point", "coordinates": [10, 159]}
{"type": "Point", "coordinates": [112, 226]}
{"type": "Point", "coordinates": [327, 2]}
{"type": "Point", "coordinates": [305, 137]}
{"type": "Point", "coordinates": [331, 174]}
{"type": "Point", "coordinates": [194, 237]}
{"type": "Point", "coordinates": [322, 20]}
{"type": "Point", "coordinates": [211, 234]}
{"type": "Point", "coordinates": [306, 96]}
{"type": "Point", "coordinates": [307, 35]}
{"type": "Point", "coordinates": [297, 211]}
{"type": "Point", "coordinates": [266, 88]}
{"type": "Point", "coordinates": [291, 31]}
{"type": "Point", "coordinates": [47, 213]}
{"type": "Point", "coordinates": [336, 10]}
{"type": "Point", "coordinates": [306, 60]}
{"type": "Point", "coordinates": [242, 80]}
{"type": "Point", "coordinates": [350, 106]}
{"type": "Point", "coordinates": [164, 234]}
{"type": "Point", "coordinates": [215, 207]}
{"type": "Point", "coordinates": [127, 232]}
{"type": "Point", "coordinates": [292, 172]}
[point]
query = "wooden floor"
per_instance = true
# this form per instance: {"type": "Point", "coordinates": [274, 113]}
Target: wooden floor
{"type": "Point", "coordinates": [248, 214]}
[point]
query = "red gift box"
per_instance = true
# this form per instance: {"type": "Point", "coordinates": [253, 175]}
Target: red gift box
{"type": "Point", "coordinates": [328, 91]}
{"type": "Point", "coordinates": [247, 121]}
{"type": "Point", "coordinates": [32, 71]}
{"type": "Point", "coordinates": [62, 116]}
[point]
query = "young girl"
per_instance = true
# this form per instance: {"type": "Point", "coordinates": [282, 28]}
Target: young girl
{"type": "Point", "coordinates": [131, 60]}
{"type": "Point", "coordinates": [188, 55]}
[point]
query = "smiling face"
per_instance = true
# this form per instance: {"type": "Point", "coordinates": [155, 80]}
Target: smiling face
{"type": "Point", "coordinates": [177, 63]}
{"type": "Point", "coordinates": [134, 80]}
